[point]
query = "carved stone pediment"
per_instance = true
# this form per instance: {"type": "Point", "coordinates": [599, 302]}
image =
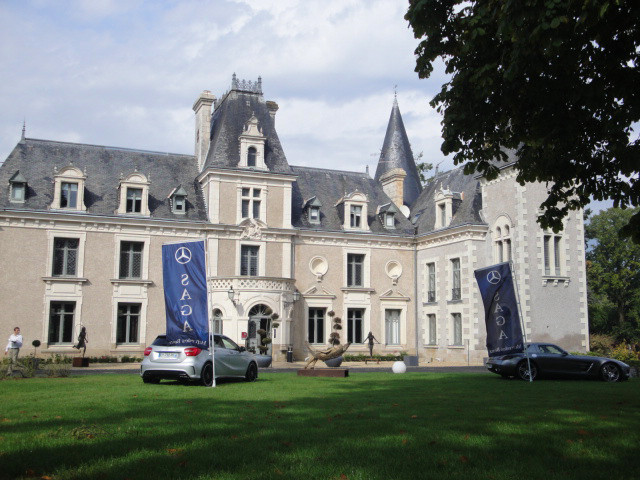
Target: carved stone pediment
{"type": "Point", "coordinates": [252, 228]}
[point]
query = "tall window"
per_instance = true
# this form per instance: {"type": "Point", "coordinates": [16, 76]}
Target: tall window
{"type": "Point", "coordinates": [128, 323]}
{"type": "Point", "coordinates": [131, 260]}
{"type": "Point", "coordinates": [502, 241]}
{"type": "Point", "coordinates": [249, 260]}
{"type": "Point", "coordinates": [314, 214]}
{"type": "Point", "coordinates": [68, 195]}
{"type": "Point", "coordinates": [552, 247]}
{"type": "Point", "coordinates": [356, 216]}
{"type": "Point", "coordinates": [65, 257]}
{"type": "Point", "coordinates": [61, 316]}
{"type": "Point", "coordinates": [457, 329]}
{"type": "Point", "coordinates": [251, 157]}
{"type": "Point", "coordinates": [432, 329]}
{"type": "Point", "coordinates": [431, 279]}
{"type": "Point", "coordinates": [355, 267]}
{"type": "Point", "coordinates": [251, 203]}
{"type": "Point", "coordinates": [134, 200]}
{"type": "Point", "coordinates": [355, 323]}
{"type": "Point", "coordinates": [456, 293]}
{"type": "Point", "coordinates": [217, 321]}
{"type": "Point", "coordinates": [17, 192]}
{"type": "Point", "coordinates": [316, 325]}
{"type": "Point", "coordinates": [442, 212]}
{"type": "Point", "coordinates": [392, 326]}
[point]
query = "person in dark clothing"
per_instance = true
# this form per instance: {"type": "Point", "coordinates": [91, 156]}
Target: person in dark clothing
{"type": "Point", "coordinates": [370, 338]}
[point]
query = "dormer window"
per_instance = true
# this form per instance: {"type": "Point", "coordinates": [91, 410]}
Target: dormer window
{"type": "Point", "coordinates": [312, 207]}
{"type": "Point", "coordinates": [252, 143]}
{"type": "Point", "coordinates": [387, 214]}
{"type": "Point", "coordinates": [251, 157]}
{"type": "Point", "coordinates": [178, 200]}
{"type": "Point", "coordinates": [444, 206]}
{"type": "Point", "coordinates": [355, 216]}
{"type": "Point", "coordinates": [18, 188]}
{"type": "Point", "coordinates": [69, 189]}
{"type": "Point", "coordinates": [352, 208]}
{"type": "Point", "coordinates": [134, 195]}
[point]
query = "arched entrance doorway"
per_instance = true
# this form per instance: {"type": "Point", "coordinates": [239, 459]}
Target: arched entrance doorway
{"type": "Point", "coordinates": [259, 328]}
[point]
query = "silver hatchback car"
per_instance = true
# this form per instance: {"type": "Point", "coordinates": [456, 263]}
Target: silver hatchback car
{"type": "Point", "coordinates": [164, 361]}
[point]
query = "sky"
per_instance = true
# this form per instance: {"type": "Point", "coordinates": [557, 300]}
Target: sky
{"type": "Point", "coordinates": [126, 73]}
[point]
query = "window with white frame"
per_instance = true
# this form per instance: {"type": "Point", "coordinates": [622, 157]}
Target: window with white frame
{"type": "Point", "coordinates": [134, 195]}
{"type": "Point", "coordinates": [217, 321]}
{"type": "Point", "coordinates": [134, 200]}
{"type": "Point", "coordinates": [355, 325]}
{"type": "Point", "coordinates": [355, 219]}
{"type": "Point", "coordinates": [431, 320]}
{"type": "Point", "coordinates": [456, 319]}
{"type": "Point", "coordinates": [456, 292]}
{"type": "Point", "coordinates": [65, 257]}
{"type": "Point", "coordinates": [392, 326]}
{"type": "Point", "coordinates": [252, 145]}
{"type": "Point", "coordinates": [18, 187]}
{"type": "Point", "coordinates": [553, 256]}
{"type": "Point", "coordinates": [128, 323]}
{"type": "Point", "coordinates": [251, 156]}
{"type": "Point", "coordinates": [61, 321]}
{"type": "Point", "coordinates": [316, 325]}
{"type": "Point", "coordinates": [251, 201]}
{"type": "Point", "coordinates": [69, 189]}
{"type": "Point", "coordinates": [249, 256]}
{"type": "Point", "coordinates": [431, 282]}
{"type": "Point", "coordinates": [502, 240]}
{"type": "Point", "coordinates": [355, 270]}
{"type": "Point", "coordinates": [131, 260]}
{"type": "Point", "coordinates": [355, 211]}
{"type": "Point", "coordinates": [314, 214]}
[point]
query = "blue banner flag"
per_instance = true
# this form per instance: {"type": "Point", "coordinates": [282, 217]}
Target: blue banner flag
{"type": "Point", "coordinates": [504, 333]}
{"type": "Point", "coordinates": [185, 294]}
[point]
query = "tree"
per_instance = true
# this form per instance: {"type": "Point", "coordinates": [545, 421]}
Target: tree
{"type": "Point", "coordinates": [556, 81]}
{"type": "Point", "coordinates": [613, 275]}
{"type": "Point", "coordinates": [423, 168]}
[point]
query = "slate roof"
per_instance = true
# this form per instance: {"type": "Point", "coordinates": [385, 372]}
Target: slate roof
{"type": "Point", "coordinates": [467, 201]}
{"type": "Point", "coordinates": [103, 166]}
{"type": "Point", "coordinates": [329, 187]}
{"type": "Point", "coordinates": [227, 123]}
{"type": "Point", "coordinates": [396, 153]}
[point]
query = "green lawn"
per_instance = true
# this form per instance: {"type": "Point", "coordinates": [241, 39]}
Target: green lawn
{"type": "Point", "coordinates": [367, 426]}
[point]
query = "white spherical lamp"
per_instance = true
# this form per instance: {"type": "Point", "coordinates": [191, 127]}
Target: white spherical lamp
{"type": "Point", "coordinates": [399, 367]}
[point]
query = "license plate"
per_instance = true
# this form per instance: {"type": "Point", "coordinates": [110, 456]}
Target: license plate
{"type": "Point", "coordinates": [168, 355]}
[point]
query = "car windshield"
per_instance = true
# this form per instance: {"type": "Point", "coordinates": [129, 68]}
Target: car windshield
{"type": "Point", "coordinates": [551, 349]}
{"type": "Point", "coordinates": [161, 341]}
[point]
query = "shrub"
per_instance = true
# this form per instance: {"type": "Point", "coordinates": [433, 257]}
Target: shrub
{"type": "Point", "coordinates": [58, 370]}
{"type": "Point", "coordinates": [601, 344]}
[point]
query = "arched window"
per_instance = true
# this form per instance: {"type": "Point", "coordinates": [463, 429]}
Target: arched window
{"type": "Point", "coordinates": [251, 157]}
{"type": "Point", "coordinates": [217, 321]}
{"type": "Point", "coordinates": [502, 240]}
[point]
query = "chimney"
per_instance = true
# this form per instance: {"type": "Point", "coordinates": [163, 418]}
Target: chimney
{"type": "Point", "coordinates": [202, 107]}
{"type": "Point", "coordinates": [273, 108]}
{"type": "Point", "coordinates": [393, 185]}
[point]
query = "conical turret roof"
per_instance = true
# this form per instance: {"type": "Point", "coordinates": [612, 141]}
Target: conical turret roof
{"type": "Point", "coordinates": [396, 153]}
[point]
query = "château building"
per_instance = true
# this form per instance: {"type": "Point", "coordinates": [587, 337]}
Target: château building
{"type": "Point", "coordinates": [82, 226]}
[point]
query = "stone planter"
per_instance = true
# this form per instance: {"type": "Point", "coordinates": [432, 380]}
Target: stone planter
{"type": "Point", "coordinates": [334, 362]}
{"type": "Point", "coordinates": [80, 362]}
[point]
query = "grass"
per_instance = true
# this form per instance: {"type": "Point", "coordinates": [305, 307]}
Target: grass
{"type": "Point", "coordinates": [367, 426]}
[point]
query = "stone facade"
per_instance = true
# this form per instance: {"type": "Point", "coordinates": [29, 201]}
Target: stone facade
{"type": "Point", "coordinates": [83, 248]}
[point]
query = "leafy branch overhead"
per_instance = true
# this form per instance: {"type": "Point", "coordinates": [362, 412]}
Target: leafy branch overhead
{"type": "Point", "coordinates": [553, 81]}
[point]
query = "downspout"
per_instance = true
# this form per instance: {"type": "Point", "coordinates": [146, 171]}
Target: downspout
{"type": "Point", "coordinates": [415, 291]}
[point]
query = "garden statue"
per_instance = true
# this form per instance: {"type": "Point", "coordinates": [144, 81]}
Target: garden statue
{"type": "Point", "coordinates": [334, 352]}
{"type": "Point", "coordinates": [82, 341]}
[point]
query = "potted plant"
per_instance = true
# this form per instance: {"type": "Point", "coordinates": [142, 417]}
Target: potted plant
{"type": "Point", "coordinates": [334, 339]}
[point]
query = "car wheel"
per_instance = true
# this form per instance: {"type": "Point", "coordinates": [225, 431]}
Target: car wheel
{"type": "Point", "coordinates": [524, 373]}
{"type": "Point", "coordinates": [206, 377]}
{"type": "Point", "coordinates": [150, 380]}
{"type": "Point", "coordinates": [252, 373]}
{"type": "Point", "coordinates": [610, 372]}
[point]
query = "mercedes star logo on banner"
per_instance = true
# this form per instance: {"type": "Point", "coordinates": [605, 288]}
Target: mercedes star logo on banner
{"type": "Point", "coordinates": [493, 277]}
{"type": "Point", "coordinates": [183, 255]}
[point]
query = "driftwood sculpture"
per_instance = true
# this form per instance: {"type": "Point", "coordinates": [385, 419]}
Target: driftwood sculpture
{"type": "Point", "coordinates": [333, 352]}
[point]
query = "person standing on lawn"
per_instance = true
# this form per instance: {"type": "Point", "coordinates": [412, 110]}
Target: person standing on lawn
{"type": "Point", "coordinates": [13, 348]}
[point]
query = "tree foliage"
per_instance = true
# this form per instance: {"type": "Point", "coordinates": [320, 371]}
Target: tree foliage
{"type": "Point", "coordinates": [613, 275]}
{"type": "Point", "coordinates": [556, 81]}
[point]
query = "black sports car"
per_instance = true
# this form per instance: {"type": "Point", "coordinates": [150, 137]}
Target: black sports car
{"type": "Point", "coordinates": [549, 360]}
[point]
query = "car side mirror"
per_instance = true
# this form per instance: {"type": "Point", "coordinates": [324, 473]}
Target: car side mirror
{"type": "Point", "coordinates": [242, 349]}
{"type": "Point", "coordinates": [564, 354]}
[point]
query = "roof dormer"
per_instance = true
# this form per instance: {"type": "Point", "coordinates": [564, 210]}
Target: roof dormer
{"type": "Point", "coordinates": [252, 143]}
{"type": "Point", "coordinates": [444, 207]}
{"type": "Point", "coordinates": [134, 195]}
{"type": "Point", "coordinates": [17, 188]}
{"type": "Point", "coordinates": [353, 207]}
{"type": "Point", "coordinates": [68, 191]}
{"type": "Point", "coordinates": [178, 200]}
{"type": "Point", "coordinates": [312, 209]}
{"type": "Point", "coordinates": [387, 214]}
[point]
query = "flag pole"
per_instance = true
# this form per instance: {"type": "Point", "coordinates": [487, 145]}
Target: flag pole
{"type": "Point", "coordinates": [524, 332]}
{"type": "Point", "coordinates": [212, 348]}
